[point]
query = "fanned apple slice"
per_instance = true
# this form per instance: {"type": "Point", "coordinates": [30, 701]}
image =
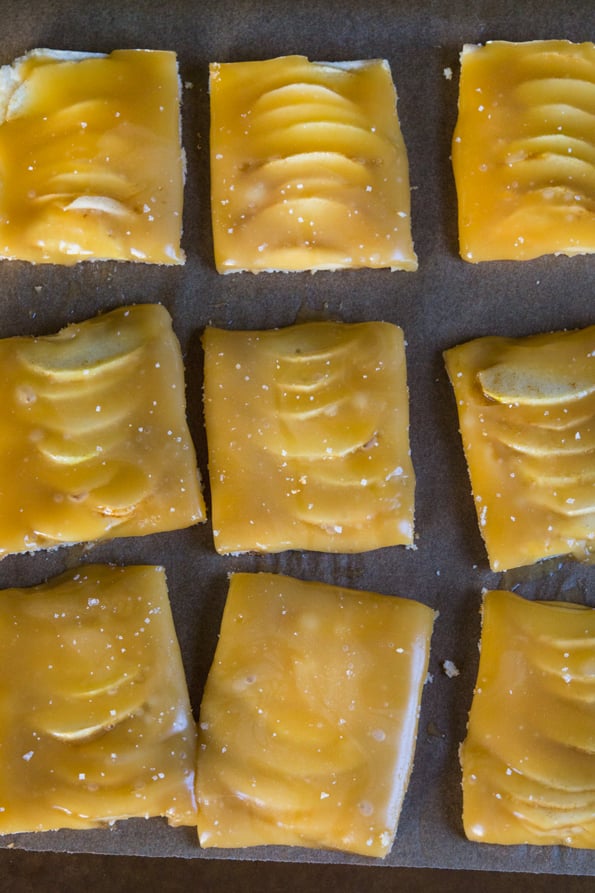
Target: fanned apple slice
{"type": "Point", "coordinates": [101, 204]}
{"type": "Point", "coordinates": [329, 165]}
{"type": "Point", "coordinates": [98, 422]}
{"type": "Point", "coordinates": [520, 787]}
{"type": "Point", "coordinates": [313, 222]}
{"type": "Point", "coordinates": [73, 357]}
{"type": "Point", "coordinates": [317, 434]}
{"type": "Point", "coordinates": [372, 463]}
{"type": "Point", "coordinates": [542, 144]}
{"type": "Point", "coordinates": [571, 659]}
{"type": "Point", "coordinates": [577, 123]}
{"type": "Point", "coordinates": [554, 418]}
{"type": "Point", "coordinates": [82, 687]}
{"type": "Point", "coordinates": [307, 111]}
{"type": "Point", "coordinates": [543, 443]}
{"type": "Point", "coordinates": [538, 174]}
{"type": "Point", "coordinates": [319, 503]}
{"type": "Point", "coordinates": [309, 343]}
{"type": "Point", "coordinates": [547, 59]}
{"type": "Point", "coordinates": [354, 141]}
{"type": "Point", "coordinates": [292, 94]}
{"type": "Point", "coordinates": [559, 471]}
{"type": "Point", "coordinates": [67, 723]}
{"type": "Point", "coordinates": [77, 480]}
{"type": "Point", "coordinates": [547, 821]}
{"type": "Point", "coordinates": [64, 450]}
{"type": "Point", "coordinates": [580, 92]}
{"type": "Point", "coordinates": [64, 522]}
{"type": "Point", "coordinates": [94, 113]}
{"type": "Point", "coordinates": [119, 497]}
{"type": "Point", "coordinates": [533, 384]}
{"type": "Point", "coordinates": [108, 779]}
{"type": "Point", "coordinates": [72, 184]}
{"type": "Point", "coordinates": [266, 789]}
{"type": "Point", "coordinates": [573, 728]}
{"type": "Point", "coordinates": [567, 501]}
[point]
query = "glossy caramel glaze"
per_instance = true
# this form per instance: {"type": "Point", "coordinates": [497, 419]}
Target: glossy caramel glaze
{"type": "Point", "coordinates": [94, 441]}
{"type": "Point", "coordinates": [308, 437]}
{"type": "Point", "coordinates": [309, 717]}
{"type": "Point", "coordinates": [308, 167]}
{"type": "Point", "coordinates": [91, 164]}
{"type": "Point", "coordinates": [524, 150]}
{"type": "Point", "coordinates": [529, 757]}
{"type": "Point", "coordinates": [527, 416]}
{"type": "Point", "coordinates": [95, 716]}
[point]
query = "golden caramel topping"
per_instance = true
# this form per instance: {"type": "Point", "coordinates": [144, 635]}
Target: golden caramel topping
{"type": "Point", "coordinates": [524, 150]}
{"type": "Point", "coordinates": [95, 720]}
{"type": "Point", "coordinates": [529, 757]}
{"type": "Point", "coordinates": [91, 165]}
{"type": "Point", "coordinates": [308, 167]}
{"type": "Point", "coordinates": [309, 717]}
{"type": "Point", "coordinates": [527, 415]}
{"type": "Point", "coordinates": [94, 440]}
{"type": "Point", "coordinates": [308, 433]}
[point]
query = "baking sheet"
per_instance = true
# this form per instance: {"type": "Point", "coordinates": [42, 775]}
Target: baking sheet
{"type": "Point", "coordinates": [444, 303]}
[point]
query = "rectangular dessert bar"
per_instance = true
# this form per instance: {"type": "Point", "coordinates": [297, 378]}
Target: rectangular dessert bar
{"type": "Point", "coordinates": [94, 441]}
{"type": "Point", "coordinates": [308, 438]}
{"type": "Point", "coordinates": [95, 718]}
{"type": "Point", "coordinates": [91, 162]}
{"type": "Point", "coordinates": [309, 168]}
{"type": "Point", "coordinates": [527, 417]}
{"type": "Point", "coordinates": [529, 756]}
{"type": "Point", "coordinates": [309, 717]}
{"type": "Point", "coordinates": [524, 150]}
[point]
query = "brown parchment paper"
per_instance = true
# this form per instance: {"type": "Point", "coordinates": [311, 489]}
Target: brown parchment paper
{"type": "Point", "coordinates": [444, 303]}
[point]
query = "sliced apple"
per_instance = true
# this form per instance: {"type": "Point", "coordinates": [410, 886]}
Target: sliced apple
{"type": "Point", "coordinates": [64, 450]}
{"type": "Point", "coordinates": [120, 496]}
{"type": "Point", "coordinates": [354, 141]}
{"type": "Point", "coordinates": [293, 94]}
{"type": "Point", "coordinates": [535, 382]}
{"type": "Point", "coordinates": [330, 165]}
{"type": "Point", "coordinates": [78, 353]}
{"type": "Point", "coordinates": [521, 787]}
{"type": "Point", "coordinates": [578, 92]}
{"type": "Point", "coordinates": [571, 500]}
{"type": "Point", "coordinates": [544, 759]}
{"type": "Point", "coordinates": [309, 110]}
{"type": "Point", "coordinates": [540, 442]}
{"type": "Point", "coordinates": [102, 204]}
{"type": "Point", "coordinates": [577, 469]}
{"type": "Point", "coordinates": [69, 522]}
{"type": "Point", "coordinates": [543, 144]}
